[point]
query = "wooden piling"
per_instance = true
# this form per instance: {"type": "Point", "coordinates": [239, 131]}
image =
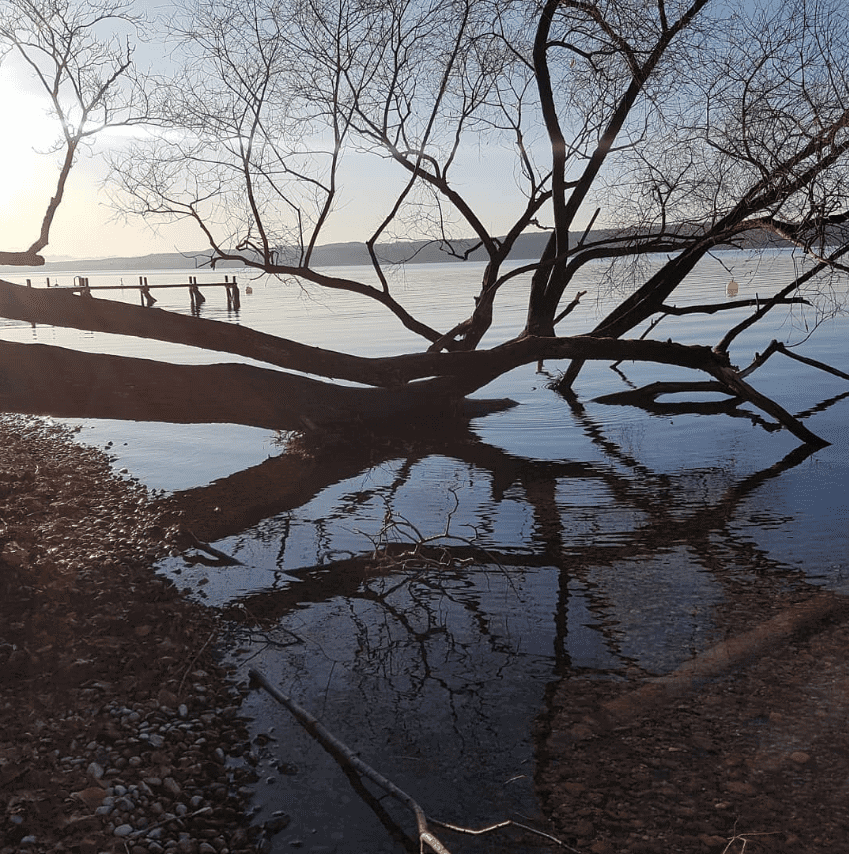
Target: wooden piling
{"type": "Point", "coordinates": [82, 285]}
{"type": "Point", "coordinates": [196, 298]}
{"type": "Point", "coordinates": [145, 295]}
{"type": "Point", "coordinates": [233, 302]}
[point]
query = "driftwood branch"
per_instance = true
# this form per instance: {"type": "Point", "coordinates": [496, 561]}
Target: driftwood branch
{"type": "Point", "coordinates": [184, 540]}
{"type": "Point", "coordinates": [349, 760]}
{"type": "Point", "coordinates": [345, 756]}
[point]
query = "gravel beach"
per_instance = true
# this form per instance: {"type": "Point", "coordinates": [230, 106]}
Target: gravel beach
{"type": "Point", "coordinates": [119, 729]}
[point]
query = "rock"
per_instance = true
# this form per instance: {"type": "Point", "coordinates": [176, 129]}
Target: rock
{"type": "Point", "coordinates": [171, 786]}
{"type": "Point", "coordinates": [581, 732]}
{"type": "Point", "coordinates": [584, 829]}
{"type": "Point", "coordinates": [123, 830]}
{"type": "Point", "coordinates": [91, 797]}
{"type": "Point", "coordinates": [800, 757]}
{"type": "Point", "coordinates": [14, 555]}
{"type": "Point", "coordinates": [95, 770]}
{"type": "Point", "coordinates": [277, 823]}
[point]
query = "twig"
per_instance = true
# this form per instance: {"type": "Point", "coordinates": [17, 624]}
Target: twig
{"type": "Point", "coordinates": [742, 837]}
{"type": "Point", "coordinates": [348, 759]}
{"type": "Point", "coordinates": [470, 831]}
{"type": "Point", "coordinates": [191, 664]}
{"type": "Point", "coordinates": [164, 821]}
{"type": "Point", "coordinates": [569, 308]}
{"type": "Point", "coordinates": [344, 755]}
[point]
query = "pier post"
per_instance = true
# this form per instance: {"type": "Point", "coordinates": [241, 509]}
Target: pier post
{"type": "Point", "coordinates": [147, 299]}
{"type": "Point", "coordinates": [233, 301]}
{"type": "Point", "coordinates": [196, 297]}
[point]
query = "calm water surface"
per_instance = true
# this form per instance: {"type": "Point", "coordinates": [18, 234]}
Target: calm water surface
{"type": "Point", "coordinates": [610, 534]}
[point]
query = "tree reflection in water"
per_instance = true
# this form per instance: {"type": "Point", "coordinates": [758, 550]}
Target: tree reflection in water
{"type": "Point", "coordinates": [607, 568]}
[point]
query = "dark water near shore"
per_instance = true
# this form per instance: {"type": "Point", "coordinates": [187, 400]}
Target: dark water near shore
{"type": "Point", "coordinates": [611, 537]}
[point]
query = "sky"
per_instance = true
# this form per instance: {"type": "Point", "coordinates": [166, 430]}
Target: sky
{"type": "Point", "coordinates": [86, 226]}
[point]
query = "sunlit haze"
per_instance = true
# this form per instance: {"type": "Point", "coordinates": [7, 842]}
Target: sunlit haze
{"type": "Point", "coordinates": [86, 225]}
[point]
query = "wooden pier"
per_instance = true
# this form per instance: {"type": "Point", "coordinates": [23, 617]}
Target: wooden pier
{"type": "Point", "coordinates": [196, 298]}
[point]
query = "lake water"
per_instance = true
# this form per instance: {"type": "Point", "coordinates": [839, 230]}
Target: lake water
{"type": "Point", "coordinates": [611, 537]}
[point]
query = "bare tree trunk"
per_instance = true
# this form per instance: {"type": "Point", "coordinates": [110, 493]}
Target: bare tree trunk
{"type": "Point", "coordinates": [46, 380]}
{"type": "Point", "coordinates": [51, 380]}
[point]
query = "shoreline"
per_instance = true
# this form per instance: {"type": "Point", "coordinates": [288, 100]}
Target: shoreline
{"type": "Point", "coordinates": [120, 730]}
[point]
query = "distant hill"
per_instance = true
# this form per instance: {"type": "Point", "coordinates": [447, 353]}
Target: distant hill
{"type": "Point", "coordinates": [328, 255]}
{"type": "Point", "coordinates": [158, 261]}
{"type": "Point", "coordinates": [528, 246]}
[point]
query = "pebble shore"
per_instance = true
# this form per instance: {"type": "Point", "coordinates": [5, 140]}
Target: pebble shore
{"type": "Point", "coordinates": [119, 729]}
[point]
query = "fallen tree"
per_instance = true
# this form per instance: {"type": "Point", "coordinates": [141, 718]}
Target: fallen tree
{"type": "Point", "coordinates": [54, 380]}
{"type": "Point", "coordinates": [680, 127]}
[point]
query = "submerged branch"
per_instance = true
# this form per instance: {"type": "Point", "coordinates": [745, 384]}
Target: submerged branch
{"type": "Point", "coordinates": [648, 394]}
{"type": "Point", "coordinates": [732, 381]}
{"type": "Point", "coordinates": [346, 757]}
{"type": "Point", "coordinates": [349, 760]}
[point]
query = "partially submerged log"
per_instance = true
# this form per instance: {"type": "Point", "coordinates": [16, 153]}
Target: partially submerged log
{"type": "Point", "coordinates": [471, 369]}
{"type": "Point", "coordinates": [74, 384]}
{"type": "Point", "coordinates": [41, 379]}
{"type": "Point", "coordinates": [646, 396]}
